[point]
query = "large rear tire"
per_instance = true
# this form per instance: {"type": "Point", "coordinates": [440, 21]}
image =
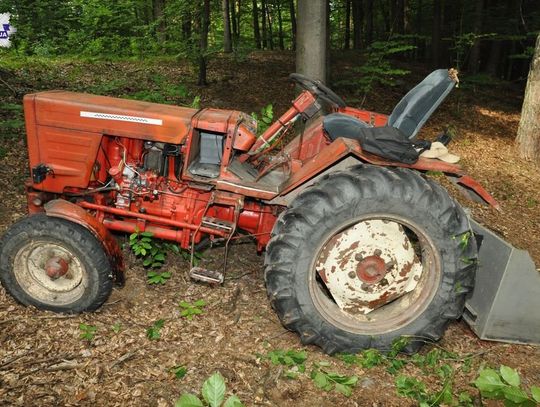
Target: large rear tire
{"type": "Point", "coordinates": [369, 255]}
{"type": "Point", "coordinates": [54, 264]}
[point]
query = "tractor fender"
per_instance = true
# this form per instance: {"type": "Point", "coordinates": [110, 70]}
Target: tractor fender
{"type": "Point", "coordinates": [61, 208]}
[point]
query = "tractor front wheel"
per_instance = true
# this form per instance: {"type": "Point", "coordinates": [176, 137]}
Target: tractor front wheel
{"type": "Point", "coordinates": [54, 264]}
{"type": "Point", "coordinates": [367, 256]}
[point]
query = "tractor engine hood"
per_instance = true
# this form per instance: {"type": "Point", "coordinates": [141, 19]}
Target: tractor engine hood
{"type": "Point", "coordinates": [112, 116]}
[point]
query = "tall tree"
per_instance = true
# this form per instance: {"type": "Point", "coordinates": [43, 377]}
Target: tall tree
{"type": "Point", "coordinates": [204, 25]}
{"type": "Point", "coordinates": [436, 33]}
{"type": "Point", "coordinates": [528, 136]}
{"type": "Point", "coordinates": [292, 11]}
{"type": "Point", "coordinates": [158, 6]}
{"type": "Point", "coordinates": [263, 25]}
{"type": "Point", "coordinates": [311, 39]}
{"type": "Point", "coordinates": [358, 16]}
{"type": "Point", "coordinates": [280, 26]}
{"type": "Point", "coordinates": [227, 38]}
{"type": "Point", "coordinates": [256, 29]}
{"type": "Point", "coordinates": [369, 22]}
{"type": "Point", "coordinates": [347, 40]}
{"type": "Point", "coordinates": [474, 58]}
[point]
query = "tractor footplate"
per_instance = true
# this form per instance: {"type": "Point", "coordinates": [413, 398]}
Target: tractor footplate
{"type": "Point", "coordinates": [206, 276]}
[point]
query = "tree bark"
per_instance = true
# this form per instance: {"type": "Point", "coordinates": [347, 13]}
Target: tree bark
{"type": "Point", "coordinates": [399, 27]}
{"type": "Point", "coordinates": [203, 42]}
{"type": "Point", "coordinates": [292, 10]}
{"type": "Point", "coordinates": [369, 22]}
{"type": "Point", "coordinates": [528, 137]}
{"type": "Point", "coordinates": [280, 27]}
{"type": "Point", "coordinates": [233, 20]}
{"type": "Point", "coordinates": [270, 30]}
{"type": "Point", "coordinates": [494, 60]}
{"type": "Point", "coordinates": [436, 34]}
{"type": "Point", "coordinates": [311, 40]}
{"type": "Point", "coordinates": [347, 40]}
{"type": "Point", "coordinates": [357, 21]}
{"type": "Point", "coordinates": [227, 39]}
{"type": "Point", "coordinates": [256, 30]}
{"type": "Point", "coordinates": [158, 6]}
{"type": "Point", "coordinates": [474, 58]}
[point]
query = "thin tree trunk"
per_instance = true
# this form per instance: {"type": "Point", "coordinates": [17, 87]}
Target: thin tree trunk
{"type": "Point", "coordinates": [357, 21]}
{"type": "Point", "coordinates": [474, 58]}
{"type": "Point", "coordinates": [436, 34]}
{"type": "Point", "coordinates": [239, 19]}
{"type": "Point", "coordinates": [227, 39]}
{"type": "Point", "coordinates": [347, 41]}
{"type": "Point", "coordinates": [369, 22]}
{"type": "Point", "coordinates": [400, 17]}
{"type": "Point", "coordinates": [494, 60]}
{"type": "Point", "coordinates": [234, 22]}
{"type": "Point", "coordinates": [158, 6]}
{"type": "Point", "coordinates": [256, 30]}
{"type": "Point", "coordinates": [280, 26]}
{"type": "Point", "coordinates": [263, 26]}
{"type": "Point", "coordinates": [269, 21]}
{"type": "Point", "coordinates": [203, 42]}
{"type": "Point", "coordinates": [186, 26]}
{"type": "Point", "coordinates": [528, 137]}
{"type": "Point", "coordinates": [292, 11]}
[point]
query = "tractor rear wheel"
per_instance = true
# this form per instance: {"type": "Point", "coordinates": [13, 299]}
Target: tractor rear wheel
{"type": "Point", "coordinates": [54, 264]}
{"type": "Point", "coordinates": [367, 256]}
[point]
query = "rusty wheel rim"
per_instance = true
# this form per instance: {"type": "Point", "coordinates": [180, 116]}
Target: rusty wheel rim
{"type": "Point", "coordinates": [342, 295]}
{"type": "Point", "coordinates": [50, 273]}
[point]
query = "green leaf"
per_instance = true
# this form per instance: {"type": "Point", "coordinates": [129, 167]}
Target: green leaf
{"type": "Point", "coordinates": [199, 303]}
{"type": "Point", "coordinates": [133, 236]}
{"type": "Point", "coordinates": [179, 371]}
{"type": "Point", "coordinates": [213, 390]}
{"type": "Point", "coordinates": [535, 391]}
{"type": "Point", "coordinates": [510, 376]}
{"type": "Point", "coordinates": [345, 390]}
{"type": "Point", "coordinates": [146, 234]}
{"type": "Point", "coordinates": [489, 381]}
{"type": "Point", "coordinates": [321, 381]}
{"type": "Point", "coordinates": [515, 394]}
{"type": "Point", "coordinates": [188, 400]}
{"type": "Point", "coordinates": [233, 401]}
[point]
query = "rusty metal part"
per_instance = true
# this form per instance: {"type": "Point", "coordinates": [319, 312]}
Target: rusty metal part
{"type": "Point", "coordinates": [56, 267]}
{"type": "Point", "coordinates": [60, 208]}
{"type": "Point", "coordinates": [369, 265]}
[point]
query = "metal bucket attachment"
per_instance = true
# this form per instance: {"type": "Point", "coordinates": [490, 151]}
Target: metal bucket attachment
{"type": "Point", "coordinates": [505, 305]}
{"type": "Point", "coordinates": [206, 276]}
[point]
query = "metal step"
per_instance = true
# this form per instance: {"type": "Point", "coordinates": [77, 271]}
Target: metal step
{"type": "Point", "coordinates": [206, 276]}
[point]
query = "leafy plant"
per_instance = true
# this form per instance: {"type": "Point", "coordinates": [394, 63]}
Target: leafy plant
{"type": "Point", "coordinates": [179, 371]}
{"type": "Point", "coordinates": [291, 358]}
{"type": "Point", "coordinates": [154, 332]}
{"type": "Point", "coordinates": [327, 381]}
{"type": "Point", "coordinates": [264, 118]}
{"type": "Point", "coordinates": [189, 310]}
{"type": "Point", "coordinates": [506, 385]}
{"type": "Point", "coordinates": [87, 331]}
{"type": "Point", "coordinates": [213, 395]}
{"type": "Point", "coordinates": [116, 327]}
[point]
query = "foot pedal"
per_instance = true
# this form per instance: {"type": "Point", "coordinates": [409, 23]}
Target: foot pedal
{"type": "Point", "coordinates": [206, 276]}
{"type": "Point", "coordinates": [219, 224]}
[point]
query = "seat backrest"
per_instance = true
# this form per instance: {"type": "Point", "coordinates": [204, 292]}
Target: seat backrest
{"type": "Point", "coordinates": [416, 107]}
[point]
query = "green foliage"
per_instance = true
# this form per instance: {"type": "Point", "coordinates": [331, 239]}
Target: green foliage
{"type": "Point", "coordinates": [116, 327]}
{"type": "Point", "coordinates": [188, 310]}
{"type": "Point", "coordinates": [264, 118]}
{"type": "Point", "coordinates": [372, 357]}
{"type": "Point", "coordinates": [327, 380]}
{"type": "Point", "coordinates": [87, 331]}
{"type": "Point", "coordinates": [213, 395]}
{"type": "Point", "coordinates": [154, 332]}
{"type": "Point", "coordinates": [294, 360]}
{"type": "Point", "coordinates": [378, 69]}
{"type": "Point", "coordinates": [506, 385]}
{"type": "Point", "coordinates": [179, 371]}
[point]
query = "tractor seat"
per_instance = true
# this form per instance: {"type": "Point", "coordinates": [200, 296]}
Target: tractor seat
{"type": "Point", "coordinates": [342, 125]}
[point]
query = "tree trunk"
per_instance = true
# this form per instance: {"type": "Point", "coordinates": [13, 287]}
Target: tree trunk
{"type": "Point", "coordinates": [256, 30]}
{"type": "Point", "coordinates": [347, 40]}
{"type": "Point", "coordinates": [357, 20]}
{"type": "Point", "coordinates": [400, 17]}
{"type": "Point", "coordinates": [369, 22]}
{"type": "Point", "coordinates": [528, 137]}
{"type": "Point", "coordinates": [238, 19]}
{"type": "Point", "coordinates": [494, 60]}
{"type": "Point", "coordinates": [436, 34]}
{"type": "Point", "coordinates": [269, 21]}
{"type": "Point", "coordinates": [158, 6]}
{"type": "Point", "coordinates": [203, 42]}
{"type": "Point", "coordinates": [474, 58]}
{"type": "Point", "coordinates": [234, 22]}
{"type": "Point", "coordinates": [227, 39]}
{"type": "Point", "coordinates": [292, 11]}
{"type": "Point", "coordinates": [263, 25]}
{"type": "Point", "coordinates": [311, 40]}
{"type": "Point", "coordinates": [280, 27]}
{"type": "Point", "coordinates": [186, 26]}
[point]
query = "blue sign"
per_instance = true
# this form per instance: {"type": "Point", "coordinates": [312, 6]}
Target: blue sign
{"type": "Point", "coordinates": [4, 33]}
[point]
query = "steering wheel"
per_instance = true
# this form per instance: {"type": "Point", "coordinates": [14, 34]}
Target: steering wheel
{"type": "Point", "coordinates": [318, 88]}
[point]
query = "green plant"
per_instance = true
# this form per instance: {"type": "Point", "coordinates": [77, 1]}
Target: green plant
{"type": "Point", "coordinates": [154, 332]}
{"type": "Point", "coordinates": [87, 331]}
{"type": "Point", "coordinates": [506, 385]}
{"type": "Point", "coordinates": [291, 358]}
{"type": "Point", "coordinates": [213, 394]}
{"type": "Point", "coordinates": [189, 310]}
{"type": "Point", "coordinates": [327, 381]}
{"type": "Point", "coordinates": [264, 118]}
{"type": "Point", "coordinates": [179, 371]}
{"type": "Point", "coordinates": [116, 327]}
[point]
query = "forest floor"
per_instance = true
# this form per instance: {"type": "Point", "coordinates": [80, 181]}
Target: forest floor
{"type": "Point", "coordinates": [43, 360]}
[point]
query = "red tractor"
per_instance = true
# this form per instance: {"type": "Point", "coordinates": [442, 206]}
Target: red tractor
{"type": "Point", "coordinates": [361, 247]}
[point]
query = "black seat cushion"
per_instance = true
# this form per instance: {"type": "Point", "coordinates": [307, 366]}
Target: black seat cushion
{"type": "Point", "coordinates": [386, 142]}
